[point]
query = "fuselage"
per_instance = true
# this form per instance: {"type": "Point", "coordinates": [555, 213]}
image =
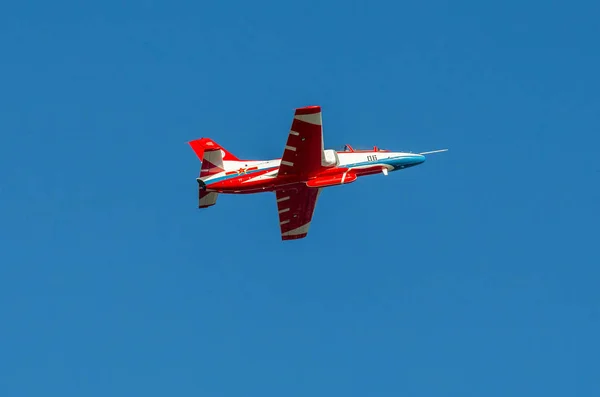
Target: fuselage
{"type": "Point", "coordinates": [240, 177]}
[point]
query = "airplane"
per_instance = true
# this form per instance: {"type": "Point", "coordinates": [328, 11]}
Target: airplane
{"type": "Point", "coordinates": [299, 176]}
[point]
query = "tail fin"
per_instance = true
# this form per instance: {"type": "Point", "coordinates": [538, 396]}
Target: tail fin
{"type": "Point", "coordinates": [212, 155]}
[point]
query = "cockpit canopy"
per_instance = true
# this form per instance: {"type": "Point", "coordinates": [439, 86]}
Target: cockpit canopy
{"type": "Point", "coordinates": [348, 148]}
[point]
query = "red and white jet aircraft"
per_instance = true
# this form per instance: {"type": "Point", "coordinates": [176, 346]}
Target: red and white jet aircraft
{"type": "Point", "coordinates": [299, 176]}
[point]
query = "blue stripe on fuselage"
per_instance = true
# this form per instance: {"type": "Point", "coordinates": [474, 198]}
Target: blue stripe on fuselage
{"type": "Point", "coordinates": [395, 162]}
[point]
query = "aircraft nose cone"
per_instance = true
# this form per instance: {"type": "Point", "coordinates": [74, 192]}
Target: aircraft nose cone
{"type": "Point", "coordinates": [419, 158]}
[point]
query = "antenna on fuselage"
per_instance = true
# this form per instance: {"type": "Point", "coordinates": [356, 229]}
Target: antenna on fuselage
{"type": "Point", "coordinates": [434, 151]}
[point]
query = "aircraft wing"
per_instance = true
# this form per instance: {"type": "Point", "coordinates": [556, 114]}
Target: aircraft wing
{"type": "Point", "coordinates": [304, 146]}
{"type": "Point", "coordinates": [296, 207]}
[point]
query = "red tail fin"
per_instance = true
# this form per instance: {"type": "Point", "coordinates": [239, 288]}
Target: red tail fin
{"type": "Point", "coordinates": [212, 155]}
{"type": "Point", "coordinates": [202, 145]}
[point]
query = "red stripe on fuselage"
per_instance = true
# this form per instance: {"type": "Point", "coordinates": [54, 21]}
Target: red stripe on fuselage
{"type": "Point", "coordinates": [240, 184]}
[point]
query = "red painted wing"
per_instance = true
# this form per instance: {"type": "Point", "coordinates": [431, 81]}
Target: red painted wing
{"type": "Point", "coordinates": [296, 207]}
{"type": "Point", "coordinates": [304, 146]}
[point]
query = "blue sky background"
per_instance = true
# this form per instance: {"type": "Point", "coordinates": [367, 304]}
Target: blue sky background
{"type": "Point", "coordinates": [474, 274]}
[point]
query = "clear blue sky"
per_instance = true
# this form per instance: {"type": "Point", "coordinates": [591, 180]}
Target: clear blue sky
{"type": "Point", "coordinates": [474, 274]}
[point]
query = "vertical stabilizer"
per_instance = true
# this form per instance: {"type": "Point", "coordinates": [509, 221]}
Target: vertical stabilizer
{"type": "Point", "coordinates": [212, 155]}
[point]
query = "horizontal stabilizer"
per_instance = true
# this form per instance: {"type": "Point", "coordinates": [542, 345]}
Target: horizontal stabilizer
{"type": "Point", "coordinates": [206, 199]}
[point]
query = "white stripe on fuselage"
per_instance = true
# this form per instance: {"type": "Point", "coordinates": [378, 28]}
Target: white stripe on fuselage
{"type": "Point", "coordinates": [352, 159]}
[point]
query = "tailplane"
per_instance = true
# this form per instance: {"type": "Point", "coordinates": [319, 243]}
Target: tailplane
{"type": "Point", "coordinates": [213, 158]}
{"type": "Point", "coordinates": [212, 163]}
{"type": "Point", "coordinates": [207, 199]}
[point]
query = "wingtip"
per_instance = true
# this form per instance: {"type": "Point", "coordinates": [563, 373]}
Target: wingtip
{"type": "Point", "coordinates": [312, 109]}
{"type": "Point", "coordinates": [294, 237]}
